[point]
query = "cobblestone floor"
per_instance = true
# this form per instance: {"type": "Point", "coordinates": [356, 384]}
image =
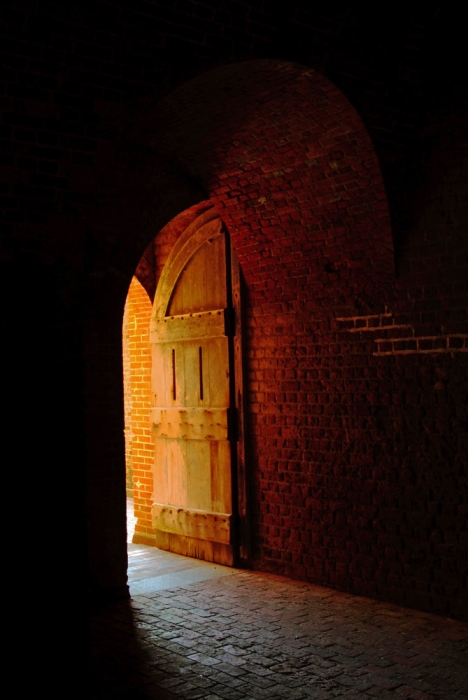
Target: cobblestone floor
{"type": "Point", "coordinates": [251, 635]}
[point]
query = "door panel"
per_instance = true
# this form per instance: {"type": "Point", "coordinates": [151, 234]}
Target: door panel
{"type": "Point", "coordinates": [216, 374]}
{"type": "Point", "coordinates": [198, 475]}
{"type": "Point", "coordinates": [202, 283]}
{"type": "Point", "coordinates": [191, 375]}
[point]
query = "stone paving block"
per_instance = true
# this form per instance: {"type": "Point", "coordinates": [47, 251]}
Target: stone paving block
{"type": "Point", "coordinates": [239, 643]}
{"type": "Point", "coordinates": [352, 661]}
{"type": "Point", "coordinates": [413, 694]}
{"type": "Point", "coordinates": [280, 692]}
{"type": "Point", "coordinates": [224, 678]}
{"type": "Point", "coordinates": [236, 671]}
{"type": "Point", "coordinates": [204, 659]}
{"type": "Point", "coordinates": [176, 648]}
{"type": "Point", "coordinates": [230, 658]}
{"type": "Point", "coordinates": [288, 680]}
{"type": "Point", "coordinates": [189, 643]}
{"type": "Point", "coordinates": [232, 649]}
{"type": "Point", "coordinates": [379, 693]}
{"type": "Point", "coordinates": [319, 693]}
{"type": "Point", "coordinates": [357, 683]}
{"type": "Point", "coordinates": [189, 691]}
{"type": "Point", "coordinates": [219, 635]}
{"type": "Point", "coordinates": [256, 668]}
{"type": "Point", "coordinates": [202, 646]}
{"type": "Point", "coordinates": [266, 682]}
{"type": "Point", "coordinates": [229, 693]}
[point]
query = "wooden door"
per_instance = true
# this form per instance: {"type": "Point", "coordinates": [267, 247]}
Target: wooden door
{"type": "Point", "coordinates": [192, 383]}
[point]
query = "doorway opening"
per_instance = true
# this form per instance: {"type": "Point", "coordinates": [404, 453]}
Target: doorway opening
{"type": "Point", "coordinates": [137, 397]}
{"type": "Point", "coordinates": [184, 427]}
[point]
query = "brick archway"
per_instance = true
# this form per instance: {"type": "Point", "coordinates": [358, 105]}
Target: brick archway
{"type": "Point", "coordinates": [288, 164]}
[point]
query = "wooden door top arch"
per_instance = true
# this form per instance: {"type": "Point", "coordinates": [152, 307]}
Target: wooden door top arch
{"type": "Point", "coordinates": [205, 227]}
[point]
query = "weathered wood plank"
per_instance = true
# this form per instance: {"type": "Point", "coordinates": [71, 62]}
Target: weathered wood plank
{"type": "Point", "coordinates": [198, 468]}
{"type": "Point", "coordinates": [176, 476]}
{"type": "Point", "coordinates": [203, 525]}
{"type": "Point", "coordinates": [192, 384]}
{"type": "Point", "coordinates": [190, 423]}
{"type": "Point", "coordinates": [217, 371]}
{"type": "Point", "coordinates": [221, 477]}
{"type": "Point", "coordinates": [192, 547]}
{"type": "Point", "coordinates": [189, 294]}
{"type": "Point", "coordinates": [207, 324]}
{"type": "Point", "coordinates": [183, 250]}
{"type": "Point", "coordinates": [161, 477]}
{"type": "Point", "coordinates": [159, 374]}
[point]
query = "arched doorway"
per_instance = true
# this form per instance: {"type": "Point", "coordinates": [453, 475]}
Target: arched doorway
{"type": "Point", "coordinates": [193, 498]}
{"type": "Point", "coordinates": [295, 179]}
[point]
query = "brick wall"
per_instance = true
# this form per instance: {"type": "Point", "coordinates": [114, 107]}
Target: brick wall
{"type": "Point", "coordinates": [355, 375]}
{"type": "Point", "coordinates": [127, 401]}
{"type": "Point", "coordinates": [138, 441]}
{"type": "Point", "coordinates": [357, 432]}
{"type": "Point", "coordinates": [137, 383]}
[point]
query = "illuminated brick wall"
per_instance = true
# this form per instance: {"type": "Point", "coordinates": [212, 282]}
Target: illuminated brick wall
{"type": "Point", "coordinates": [127, 401]}
{"type": "Point", "coordinates": [137, 384]}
